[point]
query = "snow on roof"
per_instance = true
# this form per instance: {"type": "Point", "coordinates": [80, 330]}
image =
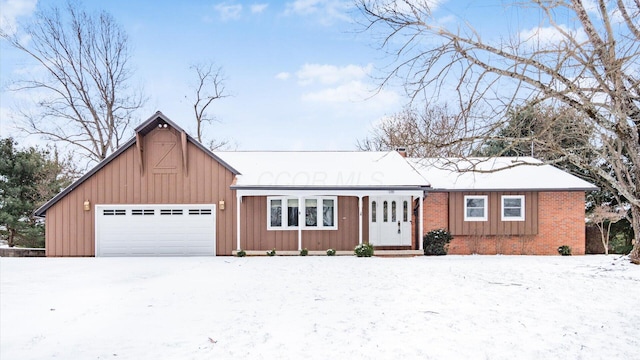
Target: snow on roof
{"type": "Point", "coordinates": [500, 173]}
{"type": "Point", "coordinates": [322, 169]}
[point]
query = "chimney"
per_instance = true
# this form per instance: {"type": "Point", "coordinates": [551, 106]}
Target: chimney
{"type": "Point", "coordinates": [402, 151]}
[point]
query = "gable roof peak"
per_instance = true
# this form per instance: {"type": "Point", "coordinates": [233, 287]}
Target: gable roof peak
{"type": "Point", "coordinates": [156, 119]}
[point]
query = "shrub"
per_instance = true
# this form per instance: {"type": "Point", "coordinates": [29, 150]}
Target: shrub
{"type": "Point", "coordinates": [331, 252]}
{"type": "Point", "coordinates": [241, 253]}
{"type": "Point", "coordinates": [304, 252]}
{"type": "Point", "coordinates": [363, 250]}
{"type": "Point", "coordinates": [271, 252]}
{"type": "Point", "coordinates": [564, 250]}
{"type": "Point", "coordinates": [436, 242]}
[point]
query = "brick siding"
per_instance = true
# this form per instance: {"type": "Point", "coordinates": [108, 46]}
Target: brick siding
{"type": "Point", "coordinates": [560, 222]}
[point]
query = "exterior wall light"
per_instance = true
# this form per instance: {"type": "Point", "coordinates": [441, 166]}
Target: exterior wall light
{"type": "Point", "coordinates": [221, 204]}
{"type": "Point", "coordinates": [87, 205]}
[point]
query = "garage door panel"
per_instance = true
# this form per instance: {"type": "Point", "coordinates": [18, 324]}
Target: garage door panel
{"type": "Point", "coordinates": [157, 230]}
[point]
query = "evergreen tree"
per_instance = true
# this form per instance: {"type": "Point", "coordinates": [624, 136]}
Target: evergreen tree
{"type": "Point", "coordinates": [28, 178]}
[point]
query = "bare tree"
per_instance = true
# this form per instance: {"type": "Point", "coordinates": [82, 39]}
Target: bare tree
{"type": "Point", "coordinates": [419, 131]}
{"type": "Point", "coordinates": [210, 86]}
{"type": "Point", "coordinates": [589, 67]}
{"type": "Point", "coordinates": [81, 87]}
{"type": "Point", "coordinates": [604, 216]}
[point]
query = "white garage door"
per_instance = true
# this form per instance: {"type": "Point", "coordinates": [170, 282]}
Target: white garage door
{"type": "Point", "coordinates": [155, 230]}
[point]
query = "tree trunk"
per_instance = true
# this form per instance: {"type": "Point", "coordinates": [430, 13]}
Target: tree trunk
{"type": "Point", "coordinates": [12, 236]}
{"type": "Point", "coordinates": [635, 222]}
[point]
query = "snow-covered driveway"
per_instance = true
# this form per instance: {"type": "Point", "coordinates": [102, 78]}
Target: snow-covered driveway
{"type": "Point", "coordinates": [452, 307]}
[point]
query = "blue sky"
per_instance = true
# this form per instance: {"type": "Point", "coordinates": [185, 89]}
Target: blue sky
{"type": "Point", "coordinates": [299, 72]}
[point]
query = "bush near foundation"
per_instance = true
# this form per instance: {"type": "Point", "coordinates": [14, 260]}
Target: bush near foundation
{"type": "Point", "coordinates": [241, 253]}
{"type": "Point", "coordinates": [304, 252]}
{"type": "Point", "coordinates": [436, 242]}
{"type": "Point", "coordinates": [331, 252]}
{"type": "Point", "coordinates": [564, 250]}
{"type": "Point", "coordinates": [364, 250]}
{"type": "Point", "coordinates": [271, 252]}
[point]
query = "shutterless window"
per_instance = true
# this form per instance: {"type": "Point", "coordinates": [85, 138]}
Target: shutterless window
{"type": "Point", "coordinates": [275, 217]}
{"type": "Point", "coordinates": [475, 208]}
{"type": "Point", "coordinates": [311, 212]}
{"type": "Point", "coordinates": [513, 208]}
{"type": "Point", "coordinates": [328, 212]}
{"type": "Point", "coordinates": [319, 213]}
{"type": "Point", "coordinates": [292, 212]}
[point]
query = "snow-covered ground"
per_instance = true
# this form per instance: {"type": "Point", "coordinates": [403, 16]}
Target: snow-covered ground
{"type": "Point", "coordinates": [452, 307]}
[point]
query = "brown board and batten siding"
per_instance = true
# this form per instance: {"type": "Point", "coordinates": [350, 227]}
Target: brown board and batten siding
{"type": "Point", "coordinates": [162, 179]}
{"type": "Point", "coordinates": [494, 224]}
{"type": "Point", "coordinates": [255, 236]}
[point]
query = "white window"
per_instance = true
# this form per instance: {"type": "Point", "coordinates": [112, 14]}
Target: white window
{"type": "Point", "coordinates": [320, 212]}
{"type": "Point", "coordinates": [513, 208]}
{"type": "Point", "coordinates": [329, 213]}
{"type": "Point", "coordinates": [311, 212]}
{"type": "Point", "coordinates": [475, 208]}
{"type": "Point", "coordinates": [275, 213]}
{"type": "Point", "coordinates": [292, 213]}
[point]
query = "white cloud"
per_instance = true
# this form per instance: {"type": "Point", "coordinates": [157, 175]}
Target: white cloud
{"type": "Point", "coordinates": [258, 8]}
{"type": "Point", "coordinates": [11, 10]}
{"type": "Point", "coordinates": [283, 76]}
{"type": "Point", "coordinates": [326, 11]}
{"type": "Point", "coordinates": [341, 84]}
{"type": "Point", "coordinates": [228, 11]}
{"type": "Point", "coordinates": [331, 74]}
{"type": "Point", "coordinates": [546, 36]}
{"type": "Point", "coordinates": [353, 91]}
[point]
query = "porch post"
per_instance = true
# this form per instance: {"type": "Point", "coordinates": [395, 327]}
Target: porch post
{"type": "Point", "coordinates": [360, 219]}
{"type": "Point", "coordinates": [300, 222]}
{"type": "Point", "coordinates": [421, 221]}
{"type": "Point", "coordinates": [238, 202]}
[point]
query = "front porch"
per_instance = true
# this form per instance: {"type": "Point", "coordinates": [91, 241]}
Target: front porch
{"type": "Point", "coordinates": [290, 220]}
{"type": "Point", "coordinates": [378, 253]}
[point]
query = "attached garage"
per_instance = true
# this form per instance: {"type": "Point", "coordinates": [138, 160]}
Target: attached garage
{"type": "Point", "coordinates": [162, 193]}
{"type": "Point", "coordinates": [156, 230]}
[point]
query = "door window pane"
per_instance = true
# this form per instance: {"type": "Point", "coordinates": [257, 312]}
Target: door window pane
{"type": "Point", "coordinates": [393, 211]}
{"type": "Point", "coordinates": [374, 211]}
{"type": "Point", "coordinates": [385, 212]}
{"type": "Point", "coordinates": [405, 211]}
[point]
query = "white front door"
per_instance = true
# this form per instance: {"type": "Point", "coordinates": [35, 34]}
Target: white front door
{"type": "Point", "coordinates": [390, 220]}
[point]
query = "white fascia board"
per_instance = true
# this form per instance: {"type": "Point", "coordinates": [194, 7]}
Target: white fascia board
{"type": "Point", "coordinates": [303, 193]}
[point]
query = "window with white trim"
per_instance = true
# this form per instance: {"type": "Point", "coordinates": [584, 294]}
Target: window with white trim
{"type": "Point", "coordinates": [475, 207]}
{"type": "Point", "coordinates": [320, 212]}
{"type": "Point", "coordinates": [512, 207]}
